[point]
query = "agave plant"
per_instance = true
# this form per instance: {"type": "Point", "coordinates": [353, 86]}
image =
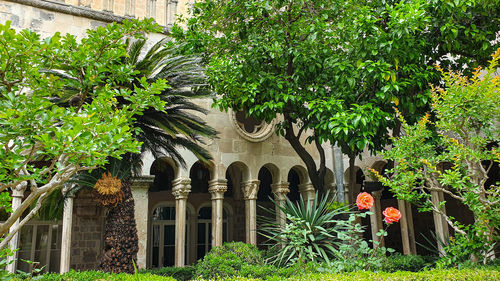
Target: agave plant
{"type": "Point", "coordinates": [311, 232]}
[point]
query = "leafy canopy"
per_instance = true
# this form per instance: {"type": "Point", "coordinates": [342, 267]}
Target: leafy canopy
{"type": "Point", "coordinates": [44, 143]}
{"type": "Point", "coordinates": [334, 68]}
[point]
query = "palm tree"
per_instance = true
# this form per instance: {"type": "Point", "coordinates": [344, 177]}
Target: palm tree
{"type": "Point", "coordinates": [162, 133]}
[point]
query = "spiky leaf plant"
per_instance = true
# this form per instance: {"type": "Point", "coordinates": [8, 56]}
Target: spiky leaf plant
{"type": "Point", "coordinates": [310, 233]}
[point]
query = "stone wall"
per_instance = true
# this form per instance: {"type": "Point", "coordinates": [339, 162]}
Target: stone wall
{"type": "Point", "coordinates": [87, 233]}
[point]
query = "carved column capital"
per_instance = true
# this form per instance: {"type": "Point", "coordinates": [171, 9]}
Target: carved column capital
{"type": "Point", "coordinates": [181, 188]}
{"type": "Point", "coordinates": [377, 194]}
{"type": "Point", "coordinates": [217, 188]}
{"type": "Point", "coordinates": [250, 189]}
{"type": "Point", "coordinates": [280, 190]}
{"type": "Point", "coordinates": [306, 187]}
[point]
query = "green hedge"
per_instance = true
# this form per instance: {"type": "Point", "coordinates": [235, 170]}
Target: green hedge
{"type": "Point", "coordinates": [473, 274]}
{"type": "Point", "coordinates": [179, 273]}
{"type": "Point", "coordinates": [431, 275]}
{"type": "Point", "coordinates": [230, 259]}
{"type": "Point", "coordinates": [98, 275]}
{"type": "Point", "coordinates": [399, 262]}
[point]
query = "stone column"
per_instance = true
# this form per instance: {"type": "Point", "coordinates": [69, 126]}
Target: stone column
{"type": "Point", "coordinates": [411, 229]}
{"type": "Point", "coordinates": [307, 191]}
{"type": "Point", "coordinates": [217, 188]}
{"type": "Point", "coordinates": [140, 187]}
{"type": "Point", "coordinates": [250, 190]}
{"type": "Point", "coordinates": [67, 226]}
{"type": "Point", "coordinates": [404, 227]}
{"type": "Point", "coordinates": [180, 189]}
{"type": "Point", "coordinates": [440, 224]}
{"type": "Point", "coordinates": [17, 199]}
{"type": "Point", "coordinates": [376, 217]}
{"type": "Point", "coordinates": [280, 191]}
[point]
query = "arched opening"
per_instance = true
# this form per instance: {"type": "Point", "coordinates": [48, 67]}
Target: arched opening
{"type": "Point", "coordinates": [294, 181]}
{"type": "Point", "coordinates": [266, 179]}
{"type": "Point", "coordinates": [164, 175]}
{"type": "Point", "coordinates": [268, 174]}
{"type": "Point", "coordinates": [236, 174]}
{"type": "Point", "coordinates": [200, 176]}
{"type": "Point", "coordinates": [358, 181]}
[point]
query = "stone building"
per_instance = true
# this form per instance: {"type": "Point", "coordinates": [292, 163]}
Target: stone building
{"type": "Point", "coordinates": [182, 212]}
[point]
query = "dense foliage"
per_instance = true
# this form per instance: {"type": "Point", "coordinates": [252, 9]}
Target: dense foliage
{"type": "Point", "coordinates": [333, 68]}
{"type": "Point", "coordinates": [178, 273]}
{"type": "Point", "coordinates": [45, 144]}
{"type": "Point", "coordinates": [476, 274]}
{"type": "Point", "coordinates": [453, 152]}
{"type": "Point", "coordinates": [228, 260]}
{"type": "Point", "coordinates": [321, 232]}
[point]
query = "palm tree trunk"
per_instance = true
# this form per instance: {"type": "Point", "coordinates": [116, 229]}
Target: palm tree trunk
{"type": "Point", "coordinates": [120, 235]}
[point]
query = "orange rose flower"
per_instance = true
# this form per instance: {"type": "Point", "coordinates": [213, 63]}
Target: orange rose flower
{"type": "Point", "coordinates": [364, 200]}
{"type": "Point", "coordinates": [391, 215]}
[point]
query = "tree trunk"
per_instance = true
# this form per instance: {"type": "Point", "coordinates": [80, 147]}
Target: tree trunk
{"type": "Point", "coordinates": [352, 178]}
{"type": "Point", "coordinates": [120, 238]}
{"type": "Point", "coordinates": [316, 175]}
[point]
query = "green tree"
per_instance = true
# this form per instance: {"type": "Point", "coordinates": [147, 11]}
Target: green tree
{"type": "Point", "coordinates": [161, 132]}
{"type": "Point", "coordinates": [333, 68]}
{"type": "Point", "coordinates": [452, 154]}
{"type": "Point", "coordinates": [45, 144]}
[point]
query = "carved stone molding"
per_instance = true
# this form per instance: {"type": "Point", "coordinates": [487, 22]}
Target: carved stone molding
{"type": "Point", "coordinates": [261, 132]}
{"type": "Point", "coordinates": [217, 188]}
{"type": "Point", "coordinates": [280, 190]}
{"type": "Point", "coordinates": [181, 188]}
{"type": "Point", "coordinates": [250, 189]}
{"type": "Point", "coordinates": [306, 187]}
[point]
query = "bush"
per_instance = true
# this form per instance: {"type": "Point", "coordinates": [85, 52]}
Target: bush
{"type": "Point", "coordinates": [477, 274]}
{"type": "Point", "coordinates": [399, 262]}
{"type": "Point", "coordinates": [98, 275]}
{"type": "Point", "coordinates": [228, 260]}
{"type": "Point", "coordinates": [312, 232]}
{"type": "Point", "coordinates": [179, 273]}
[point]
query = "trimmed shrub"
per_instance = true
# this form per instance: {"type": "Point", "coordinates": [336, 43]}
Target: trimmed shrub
{"type": "Point", "coordinates": [399, 262]}
{"type": "Point", "coordinates": [179, 273]}
{"type": "Point", "coordinates": [98, 275]}
{"type": "Point", "coordinates": [430, 275]}
{"type": "Point", "coordinates": [228, 260]}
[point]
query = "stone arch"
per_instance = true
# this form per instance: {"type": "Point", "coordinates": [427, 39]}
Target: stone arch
{"type": "Point", "coordinates": [302, 173]}
{"type": "Point", "coordinates": [359, 175]}
{"type": "Point", "coordinates": [380, 166]}
{"type": "Point", "coordinates": [200, 174]}
{"type": "Point", "coordinates": [164, 170]}
{"type": "Point", "coordinates": [296, 175]}
{"type": "Point", "coordinates": [274, 170]}
{"type": "Point", "coordinates": [236, 173]}
{"type": "Point", "coordinates": [268, 174]}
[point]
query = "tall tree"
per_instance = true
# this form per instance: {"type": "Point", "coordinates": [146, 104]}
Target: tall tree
{"type": "Point", "coordinates": [161, 132]}
{"type": "Point", "coordinates": [333, 68]}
